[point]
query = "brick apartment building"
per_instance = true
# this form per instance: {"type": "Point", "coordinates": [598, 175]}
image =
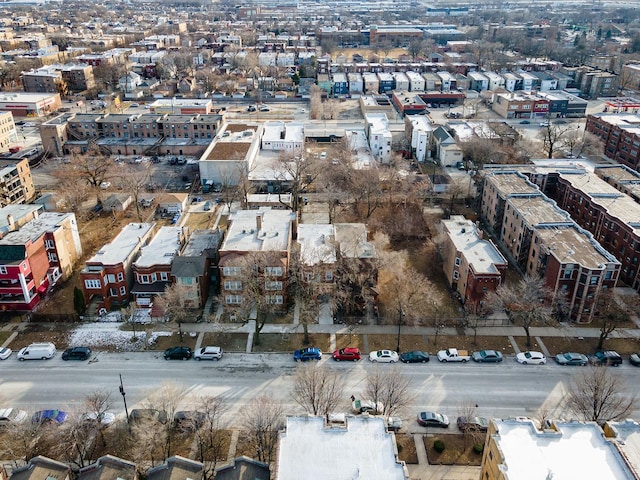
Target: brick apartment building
{"type": "Point", "coordinates": [473, 266]}
{"type": "Point", "coordinates": [152, 269]}
{"type": "Point", "coordinates": [16, 182]}
{"type": "Point", "coordinates": [36, 256]}
{"type": "Point", "coordinates": [546, 242]}
{"type": "Point", "coordinates": [8, 134]}
{"type": "Point", "coordinates": [257, 241]}
{"type": "Point", "coordinates": [620, 134]}
{"type": "Point", "coordinates": [107, 277]}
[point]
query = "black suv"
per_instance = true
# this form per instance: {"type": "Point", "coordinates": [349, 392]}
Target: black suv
{"type": "Point", "coordinates": [606, 357]}
{"type": "Point", "coordinates": [76, 353]}
{"type": "Point", "coordinates": [178, 353]}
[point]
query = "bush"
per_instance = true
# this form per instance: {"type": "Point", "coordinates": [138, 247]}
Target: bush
{"type": "Point", "coordinates": [438, 446]}
{"type": "Point", "coordinates": [478, 447]}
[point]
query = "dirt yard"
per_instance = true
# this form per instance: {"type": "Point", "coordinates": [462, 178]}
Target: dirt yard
{"type": "Point", "coordinates": [458, 449]}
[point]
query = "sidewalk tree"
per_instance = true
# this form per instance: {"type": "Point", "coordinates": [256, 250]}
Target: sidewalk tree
{"type": "Point", "coordinates": [389, 387]}
{"type": "Point", "coordinates": [210, 436]}
{"type": "Point", "coordinates": [318, 390]}
{"type": "Point", "coordinates": [263, 419]}
{"type": "Point", "coordinates": [552, 135]}
{"type": "Point", "coordinates": [611, 315]}
{"type": "Point", "coordinates": [469, 409]}
{"type": "Point", "coordinates": [21, 441]}
{"type": "Point", "coordinates": [175, 304]}
{"type": "Point", "coordinates": [166, 400]}
{"type": "Point", "coordinates": [598, 394]}
{"type": "Point", "coordinates": [524, 302]}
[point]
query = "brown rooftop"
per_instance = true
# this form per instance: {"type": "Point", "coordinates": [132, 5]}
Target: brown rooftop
{"type": "Point", "coordinates": [229, 151]}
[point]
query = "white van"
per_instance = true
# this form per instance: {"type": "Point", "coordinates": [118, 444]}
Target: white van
{"type": "Point", "coordinates": [37, 351]}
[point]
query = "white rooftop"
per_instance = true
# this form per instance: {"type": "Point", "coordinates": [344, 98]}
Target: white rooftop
{"type": "Point", "coordinates": [31, 231]}
{"type": "Point", "coordinates": [243, 234]}
{"type": "Point", "coordinates": [362, 450]}
{"type": "Point", "coordinates": [481, 254]}
{"type": "Point", "coordinates": [161, 249]}
{"type": "Point", "coordinates": [576, 451]}
{"type": "Point", "coordinates": [316, 243]}
{"type": "Point", "coordinates": [129, 239]}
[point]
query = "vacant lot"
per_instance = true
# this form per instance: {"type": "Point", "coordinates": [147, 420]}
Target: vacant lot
{"type": "Point", "coordinates": [280, 342]}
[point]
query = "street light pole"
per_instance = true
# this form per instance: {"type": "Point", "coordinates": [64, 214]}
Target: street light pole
{"type": "Point", "coordinates": [122, 392]}
{"type": "Point", "coordinates": [400, 315]}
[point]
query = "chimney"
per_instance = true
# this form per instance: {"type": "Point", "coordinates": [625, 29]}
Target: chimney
{"type": "Point", "coordinates": [11, 222]}
{"type": "Point", "coordinates": [259, 221]}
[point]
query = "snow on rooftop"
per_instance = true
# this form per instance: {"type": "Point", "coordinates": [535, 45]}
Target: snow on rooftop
{"type": "Point", "coordinates": [362, 450]}
{"type": "Point", "coordinates": [481, 254]}
{"type": "Point", "coordinates": [316, 243]}
{"type": "Point", "coordinates": [576, 451]}
{"type": "Point", "coordinates": [243, 233]}
{"type": "Point", "coordinates": [162, 248]}
{"type": "Point", "coordinates": [128, 240]}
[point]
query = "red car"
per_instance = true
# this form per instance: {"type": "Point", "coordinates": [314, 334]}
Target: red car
{"type": "Point", "coordinates": [346, 354]}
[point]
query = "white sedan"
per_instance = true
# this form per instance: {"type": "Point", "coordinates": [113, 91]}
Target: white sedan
{"type": "Point", "coordinates": [4, 353]}
{"type": "Point", "coordinates": [531, 358]}
{"type": "Point", "coordinates": [383, 356]}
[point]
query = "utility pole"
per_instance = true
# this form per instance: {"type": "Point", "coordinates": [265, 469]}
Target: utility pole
{"type": "Point", "coordinates": [122, 392]}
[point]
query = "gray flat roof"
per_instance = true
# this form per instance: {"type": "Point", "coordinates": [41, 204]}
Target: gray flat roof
{"type": "Point", "coordinates": [243, 234]}
{"type": "Point", "coordinates": [537, 209]}
{"type": "Point", "coordinates": [46, 222]}
{"type": "Point", "coordinates": [571, 244]}
{"type": "Point", "coordinates": [161, 249]}
{"type": "Point", "coordinates": [129, 238]}
{"type": "Point", "coordinates": [481, 254]}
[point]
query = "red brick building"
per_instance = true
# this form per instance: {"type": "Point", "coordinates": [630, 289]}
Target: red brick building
{"type": "Point", "coordinates": [620, 134]}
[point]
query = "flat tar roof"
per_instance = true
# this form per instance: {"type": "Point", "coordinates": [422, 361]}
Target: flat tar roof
{"type": "Point", "coordinates": [481, 254]}
{"type": "Point", "coordinates": [161, 249]}
{"type": "Point", "coordinates": [129, 238]}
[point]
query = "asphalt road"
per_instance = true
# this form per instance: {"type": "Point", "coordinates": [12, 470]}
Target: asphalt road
{"type": "Point", "coordinates": [500, 391]}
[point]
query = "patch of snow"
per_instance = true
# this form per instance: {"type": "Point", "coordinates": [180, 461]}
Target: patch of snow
{"type": "Point", "coordinates": [108, 334]}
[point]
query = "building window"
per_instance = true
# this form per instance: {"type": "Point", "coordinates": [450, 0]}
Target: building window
{"type": "Point", "coordinates": [274, 299]}
{"type": "Point", "coordinates": [123, 290]}
{"type": "Point", "coordinates": [231, 271]}
{"type": "Point", "coordinates": [186, 280]}
{"type": "Point", "coordinates": [275, 271]}
{"type": "Point", "coordinates": [120, 276]}
{"type": "Point", "coordinates": [233, 299]}
{"type": "Point", "coordinates": [457, 262]}
{"type": "Point", "coordinates": [328, 276]}
{"type": "Point", "coordinates": [92, 284]}
{"type": "Point", "coordinates": [594, 280]}
{"type": "Point", "coordinates": [272, 285]}
{"type": "Point", "coordinates": [3, 270]}
{"type": "Point", "coordinates": [111, 278]}
{"type": "Point", "coordinates": [232, 285]}
{"type": "Point", "coordinates": [143, 278]}
{"type": "Point", "coordinates": [52, 257]}
{"type": "Point", "coordinates": [113, 292]}
{"type": "Point", "coordinates": [164, 276]}
{"type": "Point", "coordinates": [49, 244]}
{"type": "Point", "coordinates": [456, 275]}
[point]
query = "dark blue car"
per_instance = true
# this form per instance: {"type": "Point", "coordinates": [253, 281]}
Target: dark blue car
{"type": "Point", "coordinates": [47, 416]}
{"type": "Point", "coordinates": [309, 353]}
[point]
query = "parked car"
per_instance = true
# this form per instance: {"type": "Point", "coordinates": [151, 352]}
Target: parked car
{"type": "Point", "coordinates": [105, 185]}
{"type": "Point", "coordinates": [347, 354]}
{"type": "Point", "coordinates": [104, 418]}
{"type": "Point", "coordinates": [606, 357]}
{"type": "Point", "coordinates": [76, 353]}
{"type": "Point", "coordinates": [383, 356]}
{"type": "Point", "coordinates": [189, 419]}
{"type": "Point", "coordinates": [367, 406]}
{"type": "Point", "coordinates": [433, 419]}
{"type": "Point", "coordinates": [306, 354]}
{"type": "Point", "coordinates": [5, 353]}
{"type": "Point", "coordinates": [634, 359]}
{"type": "Point", "coordinates": [147, 414]}
{"type": "Point", "coordinates": [525, 122]}
{"type": "Point", "coordinates": [480, 424]}
{"type": "Point", "coordinates": [533, 358]}
{"type": "Point", "coordinates": [11, 415]}
{"type": "Point", "coordinates": [414, 357]}
{"type": "Point", "coordinates": [208, 353]}
{"type": "Point", "coordinates": [487, 356]}
{"type": "Point", "coordinates": [37, 351]}
{"type": "Point", "coordinates": [49, 416]}
{"type": "Point", "coordinates": [571, 358]}
{"type": "Point", "coordinates": [178, 353]}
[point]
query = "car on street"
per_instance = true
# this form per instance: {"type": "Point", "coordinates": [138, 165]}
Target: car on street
{"type": "Point", "coordinates": [208, 353]}
{"type": "Point", "coordinates": [394, 424]}
{"type": "Point", "coordinates": [29, 124]}
{"type": "Point", "coordinates": [606, 357]}
{"type": "Point", "coordinates": [571, 358]}
{"type": "Point", "coordinates": [545, 124]}
{"type": "Point", "coordinates": [531, 358]}
{"type": "Point", "coordinates": [487, 356]}
{"type": "Point", "coordinates": [178, 353]}
{"type": "Point", "coordinates": [105, 418]}
{"type": "Point", "coordinates": [433, 419]}
{"type": "Point", "coordinates": [383, 356]}
{"type": "Point", "coordinates": [306, 354]}
{"type": "Point", "coordinates": [189, 419]}
{"type": "Point", "coordinates": [76, 353]}
{"type": "Point", "coordinates": [5, 353]}
{"type": "Point", "coordinates": [105, 185]}
{"type": "Point", "coordinates": [525, 122]}
{"type": "Point", "coordinates": [49, 416]}
{"type": "Point", "coordinates": [9, 416]}
{"type": "Point", "coordinates": [634, 359]}
{"type": "Point", "coordinates": [349, 354]}
{"type": "Point", "coordinates": [479, 424]}
{"type": "Point", "coordinates": [367, 406]}
{"type": "Point", "coordinates": [147, 414]}
{"type": "Point", "coordinates": [416, 356]}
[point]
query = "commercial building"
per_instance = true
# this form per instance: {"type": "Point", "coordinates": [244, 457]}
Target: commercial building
{"type": "Point", "coordinates": [516, 450]}
{"type": "Point", "coordinates": [24, 104]}
{"type": "Point", "coordinates": [35, 256]}
{"type": "Point", "coordinates": [361, 448]}
{"type": "Point", "coordinates": [473, 266]}
{"type": "Point", "coordinates": [107, 277]}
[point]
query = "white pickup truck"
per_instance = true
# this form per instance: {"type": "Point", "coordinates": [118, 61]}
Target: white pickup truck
{"type": "Point", "coordinates": [453, 355]}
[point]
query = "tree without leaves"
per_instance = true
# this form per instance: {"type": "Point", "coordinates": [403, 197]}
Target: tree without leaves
{"type": "Point", "coordinates": [210, 435]}
{"type": "Point", "coordinates": [469, 409]}
{"type": "Point", "coordinates": [551, 135]}
{"type": "Point", "coordinates": [389, 387]}
{"type": "Point", "coordinates": [176, 305]}
{"type": "Point", "coordinates": [611, 316]}
{"type": "Point", "coordinates": [20, 441]}
{"type": "Point", "coordinates": [299, 171]}
{"type": "Point", "coordinates": [263, 418]}
{"type": "Point", "coordinates": [317, 390]}
{"type": "Point", "coordinates": [166, 400]}
{"type": "Point", "coordinates": [524, 302]}
{"type": "Point", "coordinates": [597, 394]}
{"type": "Point", "coordinates": [134, 181]}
